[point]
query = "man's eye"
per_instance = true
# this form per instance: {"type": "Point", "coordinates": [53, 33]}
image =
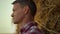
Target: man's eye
{"type": "Point", "coordinates": [13, 10]}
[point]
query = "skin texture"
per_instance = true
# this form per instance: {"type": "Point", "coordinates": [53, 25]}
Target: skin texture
{"type": "Point", "coordinates": [21, 14]}
{"type": "Point", "coordinates": [18, 13]}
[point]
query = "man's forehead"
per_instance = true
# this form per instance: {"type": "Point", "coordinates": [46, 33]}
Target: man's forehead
{"type": "Point", "coordinates": [16, 5]}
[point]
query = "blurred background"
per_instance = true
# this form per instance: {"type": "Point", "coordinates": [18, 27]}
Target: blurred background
{"type": "Point", "coordinates": [6, 25]}
{"type": "Point", "coordinates": [47, 16]}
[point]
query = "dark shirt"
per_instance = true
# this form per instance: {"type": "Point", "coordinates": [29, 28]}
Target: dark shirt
{"type": "Point", "coordinates": [31, 28]}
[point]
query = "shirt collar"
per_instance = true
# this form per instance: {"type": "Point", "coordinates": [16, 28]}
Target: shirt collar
{"type": "Point", "coordinates": [28, 25]}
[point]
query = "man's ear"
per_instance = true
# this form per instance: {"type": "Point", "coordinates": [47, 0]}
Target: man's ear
{"type": "Point", "coordinates": [26, 9]}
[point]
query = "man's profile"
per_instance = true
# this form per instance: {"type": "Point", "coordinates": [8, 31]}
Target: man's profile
{"type": "Point", "coordinates": [24, 12]}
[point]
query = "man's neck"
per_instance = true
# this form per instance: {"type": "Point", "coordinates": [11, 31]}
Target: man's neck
{"type": "Point", "coordinates": [25, 21]}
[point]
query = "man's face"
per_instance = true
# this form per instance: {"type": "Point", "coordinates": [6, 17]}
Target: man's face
{"type": "Point", "coordinates": [18, 13]}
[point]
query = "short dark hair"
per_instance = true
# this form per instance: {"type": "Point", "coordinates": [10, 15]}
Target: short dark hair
{"type": "Point", "coordinates": [30, 3]}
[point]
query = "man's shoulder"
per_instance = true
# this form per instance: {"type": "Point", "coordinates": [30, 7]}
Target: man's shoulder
{"type": "Point", "coordinates": [35, 30]}
{"type": "Point", "coordinates": [32, 28]}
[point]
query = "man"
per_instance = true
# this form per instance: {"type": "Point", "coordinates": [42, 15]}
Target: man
{"type": "Point", "coordinates": [23, 13]}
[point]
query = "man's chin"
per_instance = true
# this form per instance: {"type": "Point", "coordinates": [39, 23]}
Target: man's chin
{"type": "Point", "coordinates": [17, 22]}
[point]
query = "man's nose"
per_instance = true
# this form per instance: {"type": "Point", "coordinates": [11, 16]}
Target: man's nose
{"type": "Point", "coordinates": [12, 15]}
